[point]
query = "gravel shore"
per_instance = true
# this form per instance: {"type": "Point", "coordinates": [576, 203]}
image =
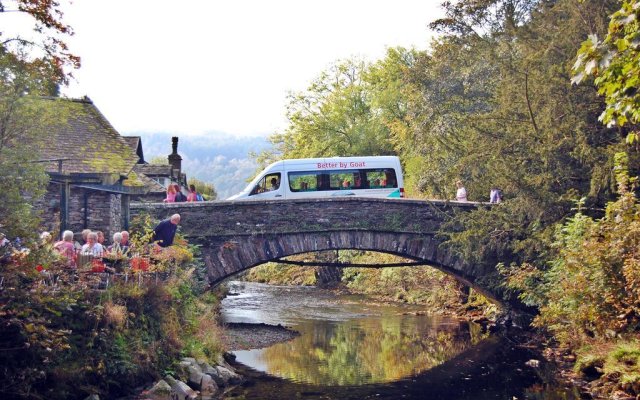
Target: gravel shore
{"type": "Point", "coordinates": [239, 336]}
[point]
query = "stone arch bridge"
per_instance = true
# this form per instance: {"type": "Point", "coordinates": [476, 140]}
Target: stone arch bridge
{"type": "Point", "coordinates": [238, 235]}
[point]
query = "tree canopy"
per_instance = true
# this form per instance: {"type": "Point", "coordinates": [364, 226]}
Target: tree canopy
{"type": "Point", "coordinates": [45, 49]}
{"type": "Point", "coordinates": [492, 103]}
{"type": "Point", "coordinates": [615, 64]}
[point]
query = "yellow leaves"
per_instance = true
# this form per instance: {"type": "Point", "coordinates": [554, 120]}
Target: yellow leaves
{"type": "Point", "coordinates": [29, 328]}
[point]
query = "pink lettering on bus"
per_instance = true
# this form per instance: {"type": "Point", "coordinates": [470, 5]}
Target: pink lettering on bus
{"type": "Point", "coordinates": [326, 165]}
{"type": "Point", "coordinates": [340, 164]}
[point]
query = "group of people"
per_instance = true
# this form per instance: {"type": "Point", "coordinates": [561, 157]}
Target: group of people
{"type": "Point", "coordinates": [495, 194]}
{"type": "Point", "coordinates": [93, 245]}
{"type": "Point", "coordinates": [175, 195]}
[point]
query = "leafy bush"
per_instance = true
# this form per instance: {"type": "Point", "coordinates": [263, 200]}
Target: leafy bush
{"type": "Point", "coordinates": [592, 287]}
{"type": "Point", "coordinates": [416, 285]}
{"type": "Point", "coordinates": [67, 340]}
{"type": "Point", "coordinates": [282, 274]}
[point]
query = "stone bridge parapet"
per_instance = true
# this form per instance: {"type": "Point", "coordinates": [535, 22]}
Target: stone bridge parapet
{"type": "Point", "coordinates": [237, 235]}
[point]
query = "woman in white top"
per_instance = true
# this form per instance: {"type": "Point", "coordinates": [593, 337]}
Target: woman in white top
{"type": "Point", "coordinates": [461, 193]}
{"type": "Point", "coordinates": [92, 246]}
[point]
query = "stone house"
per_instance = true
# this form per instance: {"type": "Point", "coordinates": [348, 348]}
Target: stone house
{"type": "Point", "coordinates": [88, 163]}
{"type": "Point", "coordinates": [154, 191]}
{"type": "Point", "coordinates": [158, 177]}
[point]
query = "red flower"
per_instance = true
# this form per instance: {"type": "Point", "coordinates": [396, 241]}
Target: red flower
{"type": "Point", "coordinates": [39, 268]}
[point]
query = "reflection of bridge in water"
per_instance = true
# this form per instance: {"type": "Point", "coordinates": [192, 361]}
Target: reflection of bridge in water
{"type": "Point", "coordinates": [238, 235]}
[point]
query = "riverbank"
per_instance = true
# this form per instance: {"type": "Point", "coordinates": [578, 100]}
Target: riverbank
{"type": "Point", "coordinates": [244, 336]}
{"type": "Point", "coordinates": [285, 304]}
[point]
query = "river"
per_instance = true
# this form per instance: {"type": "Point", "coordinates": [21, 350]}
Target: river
{"type": "Point", "coordinates": [353, 348]}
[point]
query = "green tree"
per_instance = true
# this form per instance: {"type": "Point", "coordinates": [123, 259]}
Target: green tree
{"type": "Point", "coordinates": [206, 189]}
{"type": "Point", "coordinates": [593, 286]}
{"type": "Point", "coordinates": [158, 160]}
{"type": "Point", "coordinates": [334, 117]}
{"type": "Point", "coordinates": [615, 62]}
{"type": "Point", "coordinates": [353, 108]}
{"type": "Point", "coordinates": [45, 48]}
{"type": "Point", "coordinates": [466, 18]}
{"type": "Point", "coordinates": [23, 117]}
{"type": "Point", "coordinates": [29, 68]}
{"type": "Point", "coordinates": [498, 108]}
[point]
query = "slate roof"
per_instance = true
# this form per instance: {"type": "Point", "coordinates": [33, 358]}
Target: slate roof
{"type": "Point", "coordinates": [138, 178]}
{"type": "Point", "coordinates": [82, 134]}
{"type": "Point", "coordinates": [135, 142]}
{"type": "Point", "coordinates": [155, 170]}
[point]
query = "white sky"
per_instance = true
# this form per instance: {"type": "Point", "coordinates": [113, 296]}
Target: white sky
{"type": "Point", "coordinates": [197, 66]}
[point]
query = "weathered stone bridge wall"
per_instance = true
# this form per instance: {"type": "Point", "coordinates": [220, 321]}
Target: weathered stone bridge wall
{"type": "Point", "coordinates": [237, 235]}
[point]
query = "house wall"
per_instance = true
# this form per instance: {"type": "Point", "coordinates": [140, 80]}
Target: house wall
{"type": "Point", "coordinates": [104, 211]}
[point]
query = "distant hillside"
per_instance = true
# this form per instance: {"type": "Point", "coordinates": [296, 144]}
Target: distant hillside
{"type": "Point", "coordinates": [218, 158]}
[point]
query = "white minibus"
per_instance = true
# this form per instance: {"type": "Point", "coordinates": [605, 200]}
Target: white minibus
{"type": "Point", "coordinates": [325, 177]}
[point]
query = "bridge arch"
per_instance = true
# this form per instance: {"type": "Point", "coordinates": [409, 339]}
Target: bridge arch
{"type": "Point", "coordinates": [240, 254]}
{"type": "Point", "coordinates": [239, 235]}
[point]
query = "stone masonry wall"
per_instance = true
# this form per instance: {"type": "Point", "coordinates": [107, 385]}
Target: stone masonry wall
{"type": "Point", "coordinates": [236, 235]}
{"type": "Point", "coordinates": [104, 211]}
{"type": "Point", "coordinates": [277, 216]}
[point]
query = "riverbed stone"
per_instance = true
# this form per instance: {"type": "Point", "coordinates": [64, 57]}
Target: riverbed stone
{"type": "Point", "coordinates": [182, 370]}
{"type": "Point", "coordinates": [194, 367]}
{"type": "Point", "coordinates": [190, 360]}
{"type": "Point", "coordinates": [180, 390]}
{"type": "Point", "coordinates": [208, 387]}
{"type": "Point", "coordinates": [533, 363]}
{"type": "Point", "coordinates": [160, 391]}
{"type": "Point", "coordinates": [223, 363]}
{"type": "Point", "coordinates": [228, 376]}
{"type": "Point", "coordinates": [206, 367]}
{"type": "Point", "coordinates": [215, 375]}
{"type": "Point", "coordinates": [195, 377]}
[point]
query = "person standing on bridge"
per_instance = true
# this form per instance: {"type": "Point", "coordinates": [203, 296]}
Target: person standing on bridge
{"type": "Point", "coordinates": [193, 194]}
{"type": "Point", "coordinates": [495, 195]}
{"type": "Point", "coordinates": [165, 231]}
{"type": "Point", "coordinates": [171, 194]}
{"type": "Point", "coordinates": [461, 193]}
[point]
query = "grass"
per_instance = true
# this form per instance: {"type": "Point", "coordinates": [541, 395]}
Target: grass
{"type": "Point", "coordinates": [616, 366]}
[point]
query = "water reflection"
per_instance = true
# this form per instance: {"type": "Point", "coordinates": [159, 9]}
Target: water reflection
{"type": "Point", "coordinates": [351, 350]}
{"type": "Point", "coordinates": [339, 346]}
{"type": "Point", "coordinates": [356, 353]}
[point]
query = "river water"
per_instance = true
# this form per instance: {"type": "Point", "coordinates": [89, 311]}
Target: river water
{"type": "Point", "coordinates": [353, 348]}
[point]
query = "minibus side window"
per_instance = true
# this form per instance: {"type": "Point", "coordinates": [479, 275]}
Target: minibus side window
{"type": "Point", "coordinates": [390, 177]}
{"type": "Point", "coordinates": [381, 178]}
{"type": "Point", "coordinates": [269, 183]}
{"type": "Point", "coordinates": [345, 179]}
{"type": "Point", "coordinates": [303, 181]}
{"type": "Point", "coordinates": [310, 181]}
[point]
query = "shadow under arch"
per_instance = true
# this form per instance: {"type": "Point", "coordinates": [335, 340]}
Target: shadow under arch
{"type": "Point", "coordinates": [233, 256]}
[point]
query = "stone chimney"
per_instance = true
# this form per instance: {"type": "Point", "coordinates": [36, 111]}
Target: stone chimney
{"type": "Point", "coordinates": [175, 160]}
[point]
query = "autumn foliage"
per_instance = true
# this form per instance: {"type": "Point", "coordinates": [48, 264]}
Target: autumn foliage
{"type": "Point", "coordinates": [592, 288]}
